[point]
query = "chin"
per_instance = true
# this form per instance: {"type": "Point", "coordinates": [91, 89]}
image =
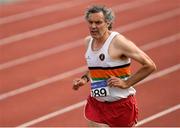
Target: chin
{"type": "Point", "coordinates": [95, 36]}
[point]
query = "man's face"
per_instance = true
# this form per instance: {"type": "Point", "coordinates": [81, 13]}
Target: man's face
{"type": "Point", "coordinates": [97, 25]}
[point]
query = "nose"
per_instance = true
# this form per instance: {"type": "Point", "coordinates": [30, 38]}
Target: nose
{"type": "Point", "coordinates": [93, 25]}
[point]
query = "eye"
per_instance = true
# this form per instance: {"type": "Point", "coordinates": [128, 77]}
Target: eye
{"type": "Point", "coordinates": [98, 22]}
{"type": "Point", "coordinates": [90, 22]}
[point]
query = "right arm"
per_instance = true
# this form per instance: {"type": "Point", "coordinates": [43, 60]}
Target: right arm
{"type": "Point", "coordinates": [85, 78]}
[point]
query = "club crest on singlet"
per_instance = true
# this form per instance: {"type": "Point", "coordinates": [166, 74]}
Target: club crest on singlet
{"type": "Point", "coordinates": [101, 56]}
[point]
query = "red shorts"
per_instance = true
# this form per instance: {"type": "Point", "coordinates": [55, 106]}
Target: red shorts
{"type": "Point", "coordinates": [115, 114]}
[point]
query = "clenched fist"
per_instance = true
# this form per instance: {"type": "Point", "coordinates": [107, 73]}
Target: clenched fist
{"type": "Point", "coordinates": [78, 83]}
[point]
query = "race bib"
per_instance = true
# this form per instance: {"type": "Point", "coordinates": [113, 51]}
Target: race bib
{"type": "Point", "coordinates": [99, 89]}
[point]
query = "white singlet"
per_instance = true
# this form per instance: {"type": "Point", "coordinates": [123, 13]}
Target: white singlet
{"type": "Point", "coordinates": [101, 67]}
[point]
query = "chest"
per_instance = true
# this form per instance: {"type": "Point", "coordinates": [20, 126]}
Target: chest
{"type": "Point", "coordinates": [104, 58]}
{"type": "Point", "coordinates": [97, 58]}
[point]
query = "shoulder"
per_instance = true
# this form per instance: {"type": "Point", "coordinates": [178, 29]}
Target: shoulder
{"type": "Point", "coordinates": [87, 40]}
{"type": "Point", "coordinates": [120, 42]}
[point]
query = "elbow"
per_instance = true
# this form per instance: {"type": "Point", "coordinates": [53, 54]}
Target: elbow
{"type": "Point", "coordinates": [152, 67]}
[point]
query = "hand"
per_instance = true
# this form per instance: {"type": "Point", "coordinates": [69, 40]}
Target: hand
{"type": "Point", "coordinates": [78, 83]}
{"type": "Point", "coordinates": [117, 82]}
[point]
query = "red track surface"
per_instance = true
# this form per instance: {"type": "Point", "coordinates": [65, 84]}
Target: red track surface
{"type": "Point", "coordinates": [153, 96]}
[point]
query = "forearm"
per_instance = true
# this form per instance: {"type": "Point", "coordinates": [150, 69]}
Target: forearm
{"type": "Point", "coordinates": [142, 73]}
{"type": "Point", "coordinates": [86, 77]}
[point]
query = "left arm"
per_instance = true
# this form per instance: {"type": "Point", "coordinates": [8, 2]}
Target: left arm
{"type": "Point", "coordinates": [129, 49]}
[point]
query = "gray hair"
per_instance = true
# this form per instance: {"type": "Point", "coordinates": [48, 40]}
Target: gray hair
{"type": "Point", "coordinates": [107, 12]}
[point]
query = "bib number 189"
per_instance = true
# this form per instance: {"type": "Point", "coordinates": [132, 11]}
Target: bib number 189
{"type": "Point", "coordinates": [99, 92]}
{"type": "Point", "coordinates": [99, 89]}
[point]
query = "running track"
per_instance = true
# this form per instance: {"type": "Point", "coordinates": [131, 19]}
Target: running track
{"type": "Point", "coordinates": [42, 51]}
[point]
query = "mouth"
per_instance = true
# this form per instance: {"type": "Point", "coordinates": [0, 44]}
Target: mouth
{"type": "Point", "coordinates": [93, 32]}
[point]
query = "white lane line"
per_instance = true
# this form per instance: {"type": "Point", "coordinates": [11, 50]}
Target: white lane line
{"type": "Point", "coordinates": [74, 44]}
{"type": "Point", "coordinates": [80, 104]}
{"type": "Point", "coordinates": [40, 11]}
{"type": "Point", "coordinates": [45, 53]}
{"type": "Point", "coordinates": [161, 42]}
{"type": "Point", "coordinates": [43, 82]}
{"type": "Point", "coordinates": [53, 114]}
{"type": "Point", "coordinates": [68, 74]}
{"type": "Point", "coordinates": [158, 115]}
{"type": "Point", "coordinates": [151, 20]}
{"type": "Point", "coordinates": [66, 23]}
{"type": "Point", "coordinates": [161, 73]}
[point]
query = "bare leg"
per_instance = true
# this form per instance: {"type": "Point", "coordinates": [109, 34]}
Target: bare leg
{"type": "Point", "coordinates": [94, 124]}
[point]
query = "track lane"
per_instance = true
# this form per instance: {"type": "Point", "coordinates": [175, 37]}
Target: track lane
{"type": "Point", "coordinates": [160, 96]}
{"type": "Point", "coordinates": [39, 99]}
{"type": "Point", "coordinates": [34, 71]}
{"type": "Point", "coordinates": [28, 111]}
{"type": "Point", "coordinates": [154, 31]}
{"type": "Point", "coordinates": [39, 11]}
{"type": "Point", "coordinates": [169, 120]}
{"type": "Point", "coordinates": [24, 6]}
{"type": "Point", "coordinates": [153, 8]}
{"type": "Point", "coordinates": [72, 9]}
{"type": "Point", "coordinates": [28, 74]}
{"type": "Point", "coordinates": [66, 120]}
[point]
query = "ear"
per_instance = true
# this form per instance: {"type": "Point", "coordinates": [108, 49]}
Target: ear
{"type": "Point", "coordinates": [108, 23]}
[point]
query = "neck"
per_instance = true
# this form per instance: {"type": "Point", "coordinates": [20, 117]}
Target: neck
{"type": "Point", "coordinates": [103, 38]}
{"type": "Point", "coordinates": [98, 43]}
